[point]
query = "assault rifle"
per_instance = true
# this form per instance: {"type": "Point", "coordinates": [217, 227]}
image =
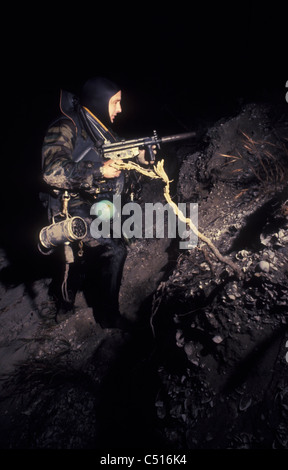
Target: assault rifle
{"type": "Point", "coordinates": [130, 148]}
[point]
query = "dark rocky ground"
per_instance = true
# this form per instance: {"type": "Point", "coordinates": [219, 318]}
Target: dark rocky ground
{"type": "Point", "coordinates": [205, 367]}
{"type": "Point", "coordinates": [232, 331]}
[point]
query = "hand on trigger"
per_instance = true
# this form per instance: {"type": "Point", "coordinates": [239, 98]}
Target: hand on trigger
{"type": "Point", "coordinates": [142, 153]}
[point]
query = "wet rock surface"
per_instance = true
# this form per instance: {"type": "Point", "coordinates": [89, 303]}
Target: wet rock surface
{"type": "Point", "coordinates": [205, 364]}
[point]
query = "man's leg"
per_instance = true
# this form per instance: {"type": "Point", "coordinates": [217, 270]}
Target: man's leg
{"type": "Point", "coordinates": [103, 281]}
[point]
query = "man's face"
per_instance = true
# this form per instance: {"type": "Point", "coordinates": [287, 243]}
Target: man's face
{"type": "Point", "coordinates": [115, 106]}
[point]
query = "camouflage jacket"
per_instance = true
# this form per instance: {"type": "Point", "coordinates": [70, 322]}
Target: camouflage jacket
{"type": "Point", "coordinates": [71, 160]}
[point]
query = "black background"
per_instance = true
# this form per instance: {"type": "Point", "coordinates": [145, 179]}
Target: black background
{"type": "Point", "coordinates": [176, 64]}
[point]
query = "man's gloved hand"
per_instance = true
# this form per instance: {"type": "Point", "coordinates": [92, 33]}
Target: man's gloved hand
{"type": "Point", "coordinates": [108, 171]}
{"type": "Point", "coordinates": [141, 157]}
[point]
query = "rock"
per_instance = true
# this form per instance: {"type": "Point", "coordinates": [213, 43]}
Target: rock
{"type": "Point", "coordinates": [217, 339]}
{"type": "Point", "coordinates": [245, 402]}
{"type": "Point", "coordinates": [264, 266]}
{"type": "Point", "coordinates": [180, 340]}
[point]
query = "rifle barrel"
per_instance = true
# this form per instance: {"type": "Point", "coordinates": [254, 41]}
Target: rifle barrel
{"type": "Point", "coordinates": [126, 144]}
{"type": "Point", "coordinates": [173, 138]}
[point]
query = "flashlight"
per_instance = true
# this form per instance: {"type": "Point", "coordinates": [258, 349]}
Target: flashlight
{"type": "Point", "coordinates": [68, 230]}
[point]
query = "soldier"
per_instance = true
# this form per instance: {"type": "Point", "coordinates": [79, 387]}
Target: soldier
{"type": "Point", "coordinates": [77, 175]}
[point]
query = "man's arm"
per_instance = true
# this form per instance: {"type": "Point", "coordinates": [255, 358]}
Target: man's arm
{"type": "Point", "coordinates": [60, 171]}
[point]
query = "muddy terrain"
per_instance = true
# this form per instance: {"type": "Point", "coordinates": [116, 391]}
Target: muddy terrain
{"type": "Point", "coordinates": [204, 365]}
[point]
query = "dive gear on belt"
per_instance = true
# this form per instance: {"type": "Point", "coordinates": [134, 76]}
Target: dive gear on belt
{"type": "Point", "coordinates": [68, 230]}
{"type": "Point", "coordinates": [64, 231]}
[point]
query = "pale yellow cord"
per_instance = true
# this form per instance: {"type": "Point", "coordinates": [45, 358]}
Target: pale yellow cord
{"type": "Point", "coordinates": [159, 172]}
